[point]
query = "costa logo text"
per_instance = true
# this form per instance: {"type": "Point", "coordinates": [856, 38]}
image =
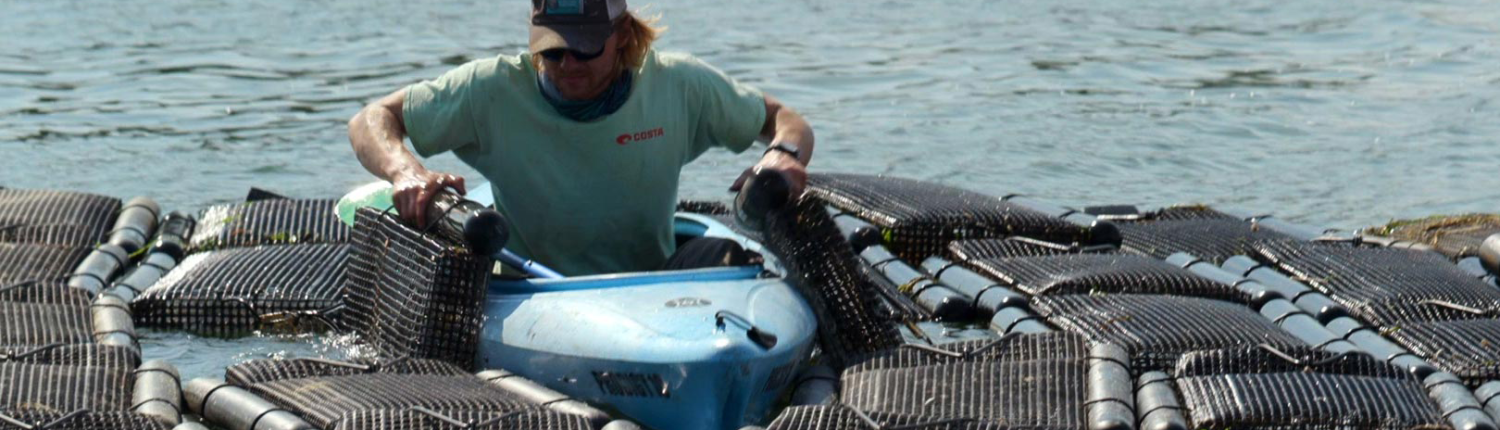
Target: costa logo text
{"type": "Point", "coordinates": [645, 135]}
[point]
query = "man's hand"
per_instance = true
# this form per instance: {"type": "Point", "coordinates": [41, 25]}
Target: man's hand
{"type": "Point", "coordinates": [780, 162]}
{"type": "Point", "coordinates": [412, 193]}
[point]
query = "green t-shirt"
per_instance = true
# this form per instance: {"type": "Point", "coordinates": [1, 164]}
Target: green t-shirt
{"type": "Point", "coordinates": [584, 197]}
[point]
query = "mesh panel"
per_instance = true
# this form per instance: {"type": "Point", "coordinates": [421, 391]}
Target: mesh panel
{"type": "Point", "coordinates": [1307, 401]}
{"type": "Point", "coordinates": [840, 417]}
{"type": "Point", "coordinates": [1467, 348]}
{"type": "Point", "coordinates": [703, 207]}
{"type": "Point", "coordinates": [1176, 213]}
{"type": "Point", "coordinates": [90, 214]}
{"type": "Point", "coordinates": [973, 249]}
{"type": "Point", "coordinates": [1044, 392]}
{"type": "Point", "coordinates": [533, 419]}
{"type": "Point", "coordinates": [41, 324]}
{"type": "Point", "coordinates": [1156, 330]}
{"type": "Point", "coordinates": [1454, 236]}
{"type": "Point", "coordinates": [1023, 347]}
{"type": "Point", "coordinates": [1210, 239]}
{"type": "Point", "coordinates": [266, 222]}
{"type": "Point", "coordinates": [229, 290]}
{"type": "Point", "coordinates": [62, 388]}
{"type": "Point", "coordinates": [31, 262]}
{"type": "Point", "coordinates": [51, 234]}
{"type": "Point", "coordinates": [823, 267]}
{"type": "Point", "coordinates": [1261, 360]}
{"type": "Point", "coordinates": [258, 371]}
{"type": "Point", "coordinates": [324, 400]}
{"type": "Point", "coordinates": [86, 421]}
{"type": "Point", "coordinates": [412, 295]}
{"type": "Point", "coordinates": [1103, 273]}
{"type": "Point", "coordinates": [83, 354]}
{"type": "Point", "coordinates": [1382, 285]}
{"type": "Point", "coordinates": [918, 218]}
{"type": "Point", "coordinates": [51, 292]}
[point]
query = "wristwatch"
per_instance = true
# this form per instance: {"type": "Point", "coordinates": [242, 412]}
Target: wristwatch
{"type": "Point", "coordinates": [787, 147]}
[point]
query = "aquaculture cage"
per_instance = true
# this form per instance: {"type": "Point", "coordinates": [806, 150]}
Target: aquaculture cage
{"type": "Point", "coordinates": [239, 289]}
{"type": "Point", "coordinates": [55, 217]}
{"type": "Point", "coordinates": [1455, 236]}
{"type": "Point", "coordinates": [1212, 238]}
{"type": "Point", "coordinates": [268, 222]}
{"type": "Point", "coordinates": [1101, 274]}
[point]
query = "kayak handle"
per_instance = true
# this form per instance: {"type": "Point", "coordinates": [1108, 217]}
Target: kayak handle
{"type": "Point", "coordinates": [764, 339]}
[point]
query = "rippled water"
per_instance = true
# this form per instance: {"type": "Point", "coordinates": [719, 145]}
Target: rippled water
{"type": "Point", "coordinates": [1333, 113]}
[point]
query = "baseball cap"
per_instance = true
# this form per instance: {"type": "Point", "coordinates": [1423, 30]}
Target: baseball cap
{"type": "Point", "coordinates": [580, 25]}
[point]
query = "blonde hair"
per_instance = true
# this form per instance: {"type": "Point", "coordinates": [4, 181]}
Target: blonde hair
{"type": "Point", "coordinates": [636, 35]}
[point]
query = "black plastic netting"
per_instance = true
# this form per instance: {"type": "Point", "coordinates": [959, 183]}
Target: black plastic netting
{"type": "Point", "coordinates": [266, 222]}
{"type": "Point", "coordinates": [822, 266]}
{"type": "Point", "coordinates": [1175, 213]}
{"type": "Point", "coordinates": [66, 420]}
{"type": "Point", "coordinates": [1284, 359]}
{"type": "Point", "coordinates": [1469, 349]}
{"type": "Point", "coordinates": [258, 371]}
{"type": "Point", "coordinates": [1211, 239]}
{"type": "Point", "coordinates": [64, 388]}
{"type": "Point", "coordinates": [239, 289]}
{"type": "Point", "coordinates": [42, 324]}
{"type": "Point", "coordinates": [51, 292]}
{"type": "Point", "coordinates": [1295, 400]}
{"type": "Point", "coordinates": [973, 249]}
{"type": "Point", "coordinates": [1157, 329]}
{"type": "Point", "coordinates": [1102, 273]}
{"type": "Point", "coordinates": [323, 400]}
{"type": "Point", "coordinates": [82, 354]}
{"type": "Point", "coordinates": [34, 262]}
{"type": "Point", "coordinates": [524, 419]}
{"type": "Point", "coordinates": [414, 295]}
{"type": "Point", "coordinates": [1384, 285]}
{"type": "Point", "coordinates": [1455, 236]}
{"type": "Point", "coordinates": [55, 217]}
{"type": "Point", "coordinates": [841, 417]}
{"type": "Point", "coordinates": [1033, 393]}
{"type": "Point", "coordinates": [918, 219]}
{"type": "Point", "coordinates": [1019, 347]}
{"type": "Point", "coordinates": [703, 207]}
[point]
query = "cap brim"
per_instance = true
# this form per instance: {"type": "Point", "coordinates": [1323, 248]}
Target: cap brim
{"type": "Point", "coordinates": [583, 38]}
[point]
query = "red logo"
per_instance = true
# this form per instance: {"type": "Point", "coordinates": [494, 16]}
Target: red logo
{"type": "Point", "coordinates": [645, 135]}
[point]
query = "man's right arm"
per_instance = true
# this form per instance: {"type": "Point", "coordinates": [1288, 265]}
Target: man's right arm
{"type": "Point", "coordinates": [378, 135]}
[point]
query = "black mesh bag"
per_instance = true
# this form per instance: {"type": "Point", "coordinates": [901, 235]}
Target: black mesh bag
{"type": "Point", "coordinates": [1284, 359]}
{"type": "Point", "coordinates": [323, 400]}
{"type": "Point", "coordinates": [1017, 347]}
{"type": "Point", "coordinates": [55, 217]}
{"type": "Point", "coordinates": [1157, 329]}
{"type": "Point", "coordinates": [704, 207]}
{"type": "Point", "coordinates": [414, 295]}
{"type": "Point", "coordinates": [822, 266]}
{"type": "Point", "coordinates": [1102, 273]}
{"type": "Point", "coordinates": [239, 289]}
{"type": "Point", "coordinates": [266, 222]}
{"type": "Point", "coordinates": [259, 371]}
{"type": "Point", "coordinates": [1212, 239]}
{"type": "Point", "coordinates": [81, 354]}
{"type": "Point", "coordinates": [1469, 349]}
{"type": "Point", "coordinates": [54, 388]}
{"type": "Point", "coordinates": [42, 324]}
{"type": "Point", "coordinates": [1384, 285]}
{"type": "Point", "coordinates": [1047, 393]}
{"type": "Point", "coordinates": [408, 419]}
{"type": "Point", "coordinates": [82, 420]}
{"type": "Point", "coordinates": [918, 219]}
{"type": "Point", "coordinates": [1186, 212]}
{"type": "Point", "coordinates": [1295, 400]}
{"type": "Point", "coordinates": [842, 417]}
{"type": "Point", "coordinates": [1454, 236]}
{"type": "Point", "coordinates": [974, 249]}
{"type": "Point", "coordinates": [32, 262]}
{"type": "Point", "coordinates": [48, 292]}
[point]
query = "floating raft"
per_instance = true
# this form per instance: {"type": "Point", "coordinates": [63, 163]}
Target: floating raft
{"type": "Point", "coordinates": [1105, 317]}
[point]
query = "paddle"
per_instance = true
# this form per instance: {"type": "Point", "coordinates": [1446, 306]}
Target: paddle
{"type": "Point", "coordinates": [482, 228]}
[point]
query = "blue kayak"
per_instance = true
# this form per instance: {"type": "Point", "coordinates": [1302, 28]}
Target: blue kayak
{"type": "Point", "coordinates": [673, 350]}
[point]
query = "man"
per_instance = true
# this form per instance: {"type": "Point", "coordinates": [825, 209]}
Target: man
{"type": "Point", "coordinates": [582, 139]}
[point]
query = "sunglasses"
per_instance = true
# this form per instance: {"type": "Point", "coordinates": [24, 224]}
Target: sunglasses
{"type": "Point", "coordinates": [556, 55]}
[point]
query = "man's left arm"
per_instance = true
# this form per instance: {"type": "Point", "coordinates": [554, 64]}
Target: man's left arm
{"type": "Point", "coordinates": [787, 129]}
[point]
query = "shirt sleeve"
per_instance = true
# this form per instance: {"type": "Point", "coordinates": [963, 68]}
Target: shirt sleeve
{"type": "Point", "coordinates": [438, 113]}
{"type": "Point", "coordinates": [730, 114]}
